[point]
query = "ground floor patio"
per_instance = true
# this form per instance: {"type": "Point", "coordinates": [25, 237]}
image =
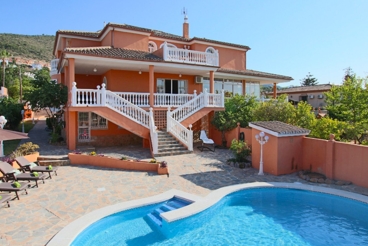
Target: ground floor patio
{"type": "Point", "coordinates": [78, 190]}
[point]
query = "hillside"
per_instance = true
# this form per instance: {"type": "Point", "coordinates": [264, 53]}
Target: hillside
{"type": "Point", "coordinates": [37, 47]}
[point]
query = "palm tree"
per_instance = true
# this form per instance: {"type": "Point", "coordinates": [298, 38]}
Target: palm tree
{"type": "Point", "coordinates": [3, 55]}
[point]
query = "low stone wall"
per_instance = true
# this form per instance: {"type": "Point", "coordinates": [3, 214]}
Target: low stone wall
{"type": "Point", "coordinates": [109, 162]}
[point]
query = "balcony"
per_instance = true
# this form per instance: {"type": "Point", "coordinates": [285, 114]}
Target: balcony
{"type": "Point", "coordinates": [54, 64]}
{"type": "Point", "coordinates": [190, 56]}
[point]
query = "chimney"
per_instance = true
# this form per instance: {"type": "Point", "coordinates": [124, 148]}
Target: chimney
{"type": "Point", "coordinates": [186, 27]}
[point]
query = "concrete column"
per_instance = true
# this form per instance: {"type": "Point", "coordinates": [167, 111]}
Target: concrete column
{"type": "Point", "coordinates": [151, 83]}
{"type": "Point", "coordinates": [212, 82]}
{"type": "Point", "coordinates": [329, 166]}
{"type": "Point", "coordinates": [274, 90]}
{"type": "Point", "coordinates": [72, 130]}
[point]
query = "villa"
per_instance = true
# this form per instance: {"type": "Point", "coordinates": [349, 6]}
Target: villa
{"type": "Point", "coordinates": [127, 83]}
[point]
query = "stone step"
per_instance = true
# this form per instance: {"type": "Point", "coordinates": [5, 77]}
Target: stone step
{"type": "Point", "coordinates": [170, 153]}
{"type": "Point", "coordinates": [171, 148]}
{"type": "Point", "coordinates": [167, 142]}
{"type": "Point", "coordinates": [54, 162]}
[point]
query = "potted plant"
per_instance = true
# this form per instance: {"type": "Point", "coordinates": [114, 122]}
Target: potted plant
{"type": "Point", "coordinates": [162, 168]}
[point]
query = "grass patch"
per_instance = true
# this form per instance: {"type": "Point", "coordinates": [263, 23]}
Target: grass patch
{"type": "Point", "coordinates": [11, 145]}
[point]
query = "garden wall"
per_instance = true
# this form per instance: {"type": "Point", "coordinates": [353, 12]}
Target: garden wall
{"type": "Point", "coordinates": [336, 160]}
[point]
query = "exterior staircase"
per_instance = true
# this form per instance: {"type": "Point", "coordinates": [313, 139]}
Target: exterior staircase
{"type": "Point", "coordinates": [168, 145]}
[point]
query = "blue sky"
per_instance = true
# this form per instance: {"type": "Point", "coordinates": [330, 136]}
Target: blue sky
{"type": "Point", "coordinates": [288, 37]}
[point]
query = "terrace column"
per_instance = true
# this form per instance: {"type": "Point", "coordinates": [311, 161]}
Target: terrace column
{"type": "Point", "coordinates": [151, 83]}
{"type": "Point", "coordinates": [274, 90]}
{"type": "Point", "coordinates": [212, 82]}
{"type": "Point", "coordinates": [71, 116]}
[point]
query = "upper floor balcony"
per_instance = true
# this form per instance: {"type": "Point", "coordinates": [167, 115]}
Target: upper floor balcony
{"type": "Point", "coordinates": [190, 56]}
{"type": "Point", "coordinates": [54, 64]}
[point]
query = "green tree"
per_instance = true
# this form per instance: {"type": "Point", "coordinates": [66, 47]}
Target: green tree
{"type": "Point", "coordinates": [304, 116]}
{"type": "Point", "coordinates": [47, 95]}
{"type": "Point", "coordinates": [309, 80]}
{"type": "Point", "coordinates": [11, 110]}
{"type": "Point", "coordinates": [349, 103]}
{"type": "Point", "coordinates": [326, 126]}
{"type": "Point", "coordinates": [275, 110]}
{"type": "Point", "coordinates": [3, 56]}
{"type": "Point", "coordinates": [237, 109]}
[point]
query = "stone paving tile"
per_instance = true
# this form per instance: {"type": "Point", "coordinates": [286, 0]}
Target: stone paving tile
{"type": "Point", "coordinates": [78, 190]}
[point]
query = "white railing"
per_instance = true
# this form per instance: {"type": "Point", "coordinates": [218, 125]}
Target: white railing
{"type": "Point", "coordinates": [54, 64]}
{"type": "Point", "coordinates": [204, 99]}
{"type": "Point", "coordinates": [183, 134]}
{"type": "Point", "coordinates": [171, 100]}
{"type": "Point", "coordinates": [153, 132]}
{"type": "Point", "coordinates": [103, 97]}
{"type": "Point", "coordinates": [190, 56]}
{"type": "Point", "coordinates": [139, 99]}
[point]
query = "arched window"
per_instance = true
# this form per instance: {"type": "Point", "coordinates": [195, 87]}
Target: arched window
{"type": "Point", "coordinates": [168, 45]}
{"type": "Point", "coordinates": [152, 46]}
{"type": "Point", "coordinates": [210, 50]}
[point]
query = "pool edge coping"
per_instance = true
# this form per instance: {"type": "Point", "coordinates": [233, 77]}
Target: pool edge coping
{"type": "Point", "coordinates": [68, 234]}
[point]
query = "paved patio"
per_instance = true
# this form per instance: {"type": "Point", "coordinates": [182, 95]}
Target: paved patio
{"type": "Point", "coordinates": [78, 190]}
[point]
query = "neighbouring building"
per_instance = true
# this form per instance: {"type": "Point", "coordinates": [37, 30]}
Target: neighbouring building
{"type": "Point", "coordinates": [314, 95]}
{"type": "Point", "coordinates": [126, 83]}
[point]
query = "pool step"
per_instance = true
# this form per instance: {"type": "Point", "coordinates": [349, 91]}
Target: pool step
{"type": "Point", "coordinates": [154, 218]}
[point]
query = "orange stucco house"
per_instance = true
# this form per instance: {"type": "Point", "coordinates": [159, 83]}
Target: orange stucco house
{"type": "Point", "coordinates": [130, 84]}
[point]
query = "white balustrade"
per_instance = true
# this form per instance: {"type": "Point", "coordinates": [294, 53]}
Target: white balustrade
{"type": "Point", "coordinates": [139, 99]}
{"type": "Point", "coordinates": [190, 56]}
{"type": "Point", "coordinates": [127, 109]}
{"type": "Point", "coordinates": [153, 132]}
{"type": "Point", "coordinates": [171, 100]}
{"type": "Point", "coordinates": [179, 131]}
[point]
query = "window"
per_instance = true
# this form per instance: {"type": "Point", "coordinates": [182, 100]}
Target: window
{"type": "Point", "coordinates": [152, 46]}
{"type": "Point", "coordinates": [253, 89]}
{"type": "Point", "coordinates": [172, 86]}
{"type": "Point", "coordinates": [168, 45]}
{"type": "Point", "coordinates": [104, 81]}
{"type": "Point", "coordinates": [88, 121]}
{"type": "Point", "coordinates": [98, 122]}
{"type": "Point", "coordinates": [210, 50]}
{"type": "Point", "coordinates": [230, 87]}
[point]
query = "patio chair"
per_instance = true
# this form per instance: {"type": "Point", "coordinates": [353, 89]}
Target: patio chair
{"type": "Point", "coordinates": [13, 174]}
{"type": "Point", "coordinates": [10, 187]}
{"type": "Point", "coordinates": [5, 198]}
{"type": "Point", "coordinates": [28, 166]}
{"type": "Point", "coordinates": [206, 141]}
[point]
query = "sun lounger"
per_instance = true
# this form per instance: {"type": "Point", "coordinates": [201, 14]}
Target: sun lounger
{"type": "Point", "coordinates": [10, 187]}
{"type": "Point", "coordinates": [206, 141]}
{"type": "Point", "coordinates": [33, 167]}
{"type": "Point", "coordinates": [13, 174]}
{"type": "Point", "coordinates": [5, 198]}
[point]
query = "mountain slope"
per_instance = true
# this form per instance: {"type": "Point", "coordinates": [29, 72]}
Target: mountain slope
{"type": "Point", "coordinates": [38, 47]}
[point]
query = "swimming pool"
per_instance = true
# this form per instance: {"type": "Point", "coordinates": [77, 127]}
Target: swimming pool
{"type": "Point", "coordinates": [276, 216]}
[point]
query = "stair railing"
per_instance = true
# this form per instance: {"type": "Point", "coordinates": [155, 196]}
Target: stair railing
{"type": "Point", "coordinates": [183, 134]}
{"type": "Point", "coordinates": [153, 132]}
{"type": "Point", "coordinates": [189, 108]}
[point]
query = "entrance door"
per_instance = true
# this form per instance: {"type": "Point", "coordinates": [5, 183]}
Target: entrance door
{"type": "Point", "coordinates": [171, 86]}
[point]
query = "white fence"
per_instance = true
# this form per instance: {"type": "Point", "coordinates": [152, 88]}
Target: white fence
{"type": "Point", "coordinates": [179, 131]}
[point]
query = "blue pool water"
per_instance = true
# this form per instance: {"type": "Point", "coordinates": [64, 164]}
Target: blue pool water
{"type": "Point", "coordinates": [264, 216]}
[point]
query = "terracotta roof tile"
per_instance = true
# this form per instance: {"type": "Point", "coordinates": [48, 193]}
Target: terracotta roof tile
{"type": "Point", "coordinates": [154, 33]}
{"type": "Point", "coordinates": [322, 87]}
{"type": "Point", "coordinates": [108, 51]}
{"type": "Point", "coordinates": [254, 73]}
{"type": "Point", "coordinates": [79, 33]}
{"type": "Point", "coordinates": [281, 128]}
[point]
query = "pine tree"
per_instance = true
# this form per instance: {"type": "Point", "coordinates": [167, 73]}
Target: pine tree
{"type": "Point", "coordinates": [309, 80]}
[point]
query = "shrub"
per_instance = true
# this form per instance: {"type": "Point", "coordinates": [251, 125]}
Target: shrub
{"type": "Point", "coordinates": [123, 158]}
{"type": "Point", "coordinates": [25, 149]}
{"type": "Point", "coordinates": [92, 153]}
{"type": "Point", "coordinates": [240, 150]}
